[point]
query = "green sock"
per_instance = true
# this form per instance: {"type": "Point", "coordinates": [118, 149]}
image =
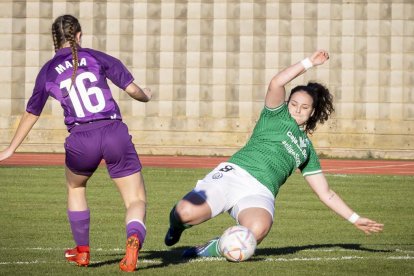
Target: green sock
{"type": "Point", "coordinates": [175, 223]}
{"type": "Point", "coordinates": [210, 249]}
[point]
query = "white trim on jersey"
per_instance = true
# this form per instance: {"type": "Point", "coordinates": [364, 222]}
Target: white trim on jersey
{"type": "Point", "coordinates": [276, 108]}
{"type": "Point", "coordinates": [312, 173]}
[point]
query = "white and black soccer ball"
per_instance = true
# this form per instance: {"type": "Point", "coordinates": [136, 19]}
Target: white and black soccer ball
{"type": "Point", "coordinates": [237, 244]}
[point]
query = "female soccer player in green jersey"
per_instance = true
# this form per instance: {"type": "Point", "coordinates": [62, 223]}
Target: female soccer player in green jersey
{"type": "Point", "coordinates": [246, 185]}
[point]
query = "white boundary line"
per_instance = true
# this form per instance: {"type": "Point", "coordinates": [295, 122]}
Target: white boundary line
{"type": "Point", "coordinates": [367, 167]}
{"type": "Point", "coordinates": [217, 259]}
{"type": "Point", "coordinates": [160, 250]}
{"type": "Point", "coordinates": [23, 263]}
{"type": "Point", "coordinates": [406, 257]}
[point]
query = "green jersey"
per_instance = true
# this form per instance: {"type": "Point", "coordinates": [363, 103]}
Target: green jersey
{"type": "Point", "coordinates": [276, 149]}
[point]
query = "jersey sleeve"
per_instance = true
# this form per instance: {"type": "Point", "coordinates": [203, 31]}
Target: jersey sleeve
{"type": "Point", "coordinates": [280, 112]}
{"type": "Point", "coordinates": [114, 69]}
{"type": "Point", "coordinates": [40, 94]}
{"type": "Point", "coordinates": [312, 165]}
{"type": "Point", "coordinates": [276, 110]}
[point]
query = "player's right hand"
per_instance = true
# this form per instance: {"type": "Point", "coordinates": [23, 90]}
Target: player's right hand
{"type": "Point", "coordinates": [5, 154]}
{"type": "Point", "coordinates": [368, 226]}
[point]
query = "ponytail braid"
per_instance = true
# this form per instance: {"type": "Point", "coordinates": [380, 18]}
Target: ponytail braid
{"type": "Point", "coordinates": [73, 46]}
{"type": "Point", "coordinates": [55, 38]}
{"type": "Point", "coordinates": [64, 29]}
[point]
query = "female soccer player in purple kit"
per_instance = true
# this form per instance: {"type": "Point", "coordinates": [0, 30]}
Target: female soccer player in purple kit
{"type": "Point", "coordinates": [76, 77]}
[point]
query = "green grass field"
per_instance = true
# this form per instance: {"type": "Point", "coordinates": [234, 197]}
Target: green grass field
{"type": "Point", "coordinates": [306, 239]}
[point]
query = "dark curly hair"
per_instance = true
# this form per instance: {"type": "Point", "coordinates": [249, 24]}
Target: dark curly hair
{"type": "Point", "coordinates": [322, 103]}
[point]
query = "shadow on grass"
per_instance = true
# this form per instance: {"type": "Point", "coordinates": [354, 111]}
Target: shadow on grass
{"type": "Point", "coordinates": [295, 249]}
{"type": "Point", "coordinates": [173, 257]}
{"type": "Point", "coordinates": [103, 263]}
{"type": "Point", "coordinates": [162, 258]}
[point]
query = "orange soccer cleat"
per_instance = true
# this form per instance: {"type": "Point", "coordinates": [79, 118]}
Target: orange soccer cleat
{"type": "Point", "coordinates": [129, 262]}
{"type": "Point", "coordinates": [79, 255]}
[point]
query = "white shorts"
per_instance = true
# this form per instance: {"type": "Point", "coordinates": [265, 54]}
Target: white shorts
{"type": "Point", "coordinates": [229, 188]}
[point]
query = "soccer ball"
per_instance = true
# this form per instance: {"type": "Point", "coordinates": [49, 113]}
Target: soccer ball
{"type": "Point", "coordinates": [237, 244]}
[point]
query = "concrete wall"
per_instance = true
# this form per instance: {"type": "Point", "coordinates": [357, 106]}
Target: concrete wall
{"type": "Point", "coordinates": [209, 63]}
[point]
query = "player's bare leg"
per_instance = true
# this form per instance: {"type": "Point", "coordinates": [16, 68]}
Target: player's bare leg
{"type": "Point", "coordinates": [132, 190]}
{"type": "Point", "coordinates": [79, 218]}
{"type": "Point", "coordinates": [193, 209]}
{"type": "Point", "coordinates": [258, 220]}
{"type": "Point", "coordinates": [189, 211]}
{"type": "Point", "coordinates": [76, 188]}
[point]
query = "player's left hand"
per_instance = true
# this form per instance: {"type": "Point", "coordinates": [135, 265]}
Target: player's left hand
{"type": "Point", "coordinates": [319, 57]}
{"type": "Point", "coordinates": [148, 93]}
{"type": "Point", "coordinates": [368, 226]}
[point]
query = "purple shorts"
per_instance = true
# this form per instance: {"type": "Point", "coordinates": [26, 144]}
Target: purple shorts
{"type": "Point", "coordinates": [109, 140]}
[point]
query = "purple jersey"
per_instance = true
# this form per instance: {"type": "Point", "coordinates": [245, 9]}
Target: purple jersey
{"type": "Point", "coordinates": [89, 98]}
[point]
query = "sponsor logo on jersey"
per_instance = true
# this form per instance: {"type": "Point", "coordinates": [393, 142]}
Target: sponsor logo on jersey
{"type": "Point", "coordinates": [217, 175]}
{"type": "Point", "coordinates": [300, 144]}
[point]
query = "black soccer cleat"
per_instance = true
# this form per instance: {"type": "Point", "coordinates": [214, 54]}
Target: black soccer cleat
{"type": "Point", "coordinates": [173, 236]}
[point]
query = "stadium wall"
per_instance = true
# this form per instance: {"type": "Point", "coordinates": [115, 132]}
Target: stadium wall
{"type": "Point", "coordinates": [209, 63]}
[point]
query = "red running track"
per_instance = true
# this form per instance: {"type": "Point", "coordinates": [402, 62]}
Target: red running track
{"type": "Point", "coordinates": [332, 166]}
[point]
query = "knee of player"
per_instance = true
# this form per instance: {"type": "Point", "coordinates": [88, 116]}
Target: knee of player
{"type": "Point", "coordinates": [135, 203]}
{"type": "Point", "coordinates": [184, 211]}
{"type": "Point", "coordinates": [259, 229]}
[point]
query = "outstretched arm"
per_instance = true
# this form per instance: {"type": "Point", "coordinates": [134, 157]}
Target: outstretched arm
{"type": "Point", "coordinates": [320, 186]}
{"type": "Point", "coordinates": [276, 91]}
{"type": "Point", "coordinates": [135, 92]}
{"type": "Point", "coordinates": [26, 123]}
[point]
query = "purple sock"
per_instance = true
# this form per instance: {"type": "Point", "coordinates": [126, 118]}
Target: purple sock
{"type": "Point", "coordinates": [136, 227]}
{"type": "Point", "coordinates": [79, 223]}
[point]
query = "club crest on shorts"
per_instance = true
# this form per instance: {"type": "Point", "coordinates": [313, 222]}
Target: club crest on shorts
{"type": "Point", "coordinates": [217, 175]}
